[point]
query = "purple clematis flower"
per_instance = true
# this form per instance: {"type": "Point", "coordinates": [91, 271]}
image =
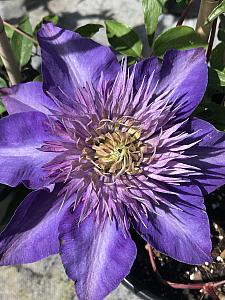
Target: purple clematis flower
{"type": "Point", "coordinates": [106, 147]}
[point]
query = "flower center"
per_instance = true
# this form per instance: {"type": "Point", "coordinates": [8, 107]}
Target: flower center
{"type": "Point", "coordinates": [117, 149]}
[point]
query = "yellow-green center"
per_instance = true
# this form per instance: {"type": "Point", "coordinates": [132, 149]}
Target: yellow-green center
{"type": "Point", "coordinates": [118, 152]}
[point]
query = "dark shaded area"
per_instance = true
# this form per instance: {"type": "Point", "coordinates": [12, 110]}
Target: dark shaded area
{"type": "Point", "coordinates": [10, 198]}
{"type": "Point", "coordinates": [172, 7]}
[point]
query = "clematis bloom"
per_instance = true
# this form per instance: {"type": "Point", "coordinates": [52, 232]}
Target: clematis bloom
{"type": "Point", "coordinates": [106, 147]}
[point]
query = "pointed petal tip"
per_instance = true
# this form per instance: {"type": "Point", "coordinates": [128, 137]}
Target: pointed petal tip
{"type": "Point", "coordinates": [46, 28]}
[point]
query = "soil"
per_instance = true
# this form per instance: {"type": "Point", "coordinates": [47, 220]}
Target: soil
{"type": "Point", "coordinates": [143, 277]}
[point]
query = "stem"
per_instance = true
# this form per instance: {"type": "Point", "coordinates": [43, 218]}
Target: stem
{"type": "Point", "coordinates": [185, 12]}
{"type": "Point", "coordinates": [8, 58]}
{"type": "Point", "coordinates": [208, 288]}
{"type": "Point", "coordinates": [211, 40]}
{"type": "Point", "coordinates": [195, 286]}
{"type": "Point", "coordinates": [26, 35]}
{"type": "Point", "coordinates": [206, 8]}
{"type": "Point", "coordinates": [216, 284]}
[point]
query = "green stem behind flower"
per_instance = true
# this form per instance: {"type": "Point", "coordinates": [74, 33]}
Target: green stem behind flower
{"type": "Point", "coordinates": [8, 58]}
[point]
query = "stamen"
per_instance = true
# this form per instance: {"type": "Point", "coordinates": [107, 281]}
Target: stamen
{"type": "Point", "coordinates": [117, 149]}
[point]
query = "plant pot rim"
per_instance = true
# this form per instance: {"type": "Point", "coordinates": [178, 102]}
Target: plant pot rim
{"type": "Point", "coordinates": [137, 289]}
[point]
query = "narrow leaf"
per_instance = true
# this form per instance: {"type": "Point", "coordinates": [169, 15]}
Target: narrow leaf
{"type": "Point", "coordinates": [218, 10]}
{"type": "Point", "coordinates": [88, 30]}
{"type": "Point", "coordinates": [180, 38]}
{"type": "Point", "coordinates": [123, 38]}
{"type": "Point", "coordinates": [21, 46]}
{"type": "Point", "coordinates": [152, 11]}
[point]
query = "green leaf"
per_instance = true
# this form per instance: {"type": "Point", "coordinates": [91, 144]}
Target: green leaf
{"type": "Point", "coordinates": [2, 108]}
{"type": "Point", "coordinates": [221, 30]}
{"type": "Point", "coordinates": [218, 10]}
{"type": "Point", "coordinates": [50, 18]}
{"type": "Point", "coordinates": [216, 77]}
{"type": "Point", "coordinates": [21, 46]}
{"type": "Point", "coordinates": [123, 38]}
{"type": "Point", "coordinates": [2, 84]}
{"type": "Point", "coordinates": [217, 60]}
{"type": "Point", "coordinates": [38, 78]}
{"type": "Point", "coordinates": [152, 11]}
{"type": "Point", "coordinates": [9, 31]}
{"type": "Point", "coordinates": [88, 30]}
{"type": "Point", "coordinates": [180, 38]}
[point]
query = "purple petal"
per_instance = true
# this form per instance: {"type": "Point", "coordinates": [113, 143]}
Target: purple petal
{"type": "Point", "coordinates": [26, 97]}
{"type": "Point", "coordinates": [181, 232]}
{"type": "Point", "coordinates": [209, 154]}
{"type": "Point", "coordinates": [146, 68]}
{"type": "Point", "coordinates": [184, 76]}
{"type": "Point", "coordinates": [32, 233]}
{"type": "Point", "coordinates": [96, 259]}
{"type": "Point", "coordinates": [20, 160]}
{"type": "Point", "coordinates": [69, 59]}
